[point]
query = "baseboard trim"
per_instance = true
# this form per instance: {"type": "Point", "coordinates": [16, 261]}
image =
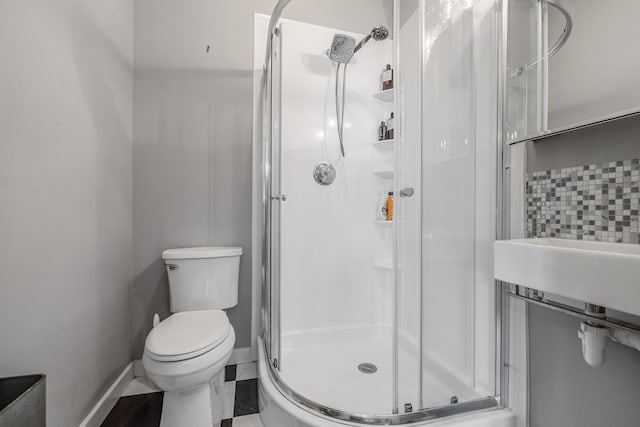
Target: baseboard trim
{"type": "Point", "coordinates": [241, 355]}
{"type": "Point", "coordinates": [138, 369]}
{"type": "Point", "coordinates": [106, 403]}
{"type": "Point", "coordinates": [135, 369]}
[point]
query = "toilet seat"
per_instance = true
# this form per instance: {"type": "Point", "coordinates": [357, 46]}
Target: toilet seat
{"type": "Point", "coordinates": [182, 375]}
{"type": "Point", "coordinates": [187, 334]}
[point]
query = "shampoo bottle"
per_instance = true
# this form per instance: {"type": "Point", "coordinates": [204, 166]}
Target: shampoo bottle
{"type": "Point", "coordinates": [387, 78]}
{"type": "Point", "coordinates": [382, 131]}
{"type": "Point", "coordinates": [390, 206]}
{"type": "Point", "coordinates": [390, 125]}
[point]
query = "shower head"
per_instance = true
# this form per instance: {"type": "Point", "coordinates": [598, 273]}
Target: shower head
{"type": "Point", "coordinates": [378, 33]}
{"type": "Point", "coordinates": [342, 48]}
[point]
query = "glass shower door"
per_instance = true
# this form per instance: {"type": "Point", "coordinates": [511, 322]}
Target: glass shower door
{"type": "Point", "coordinates": [408, 170]}
{"type": "Point", "coordinates": [459, 164]}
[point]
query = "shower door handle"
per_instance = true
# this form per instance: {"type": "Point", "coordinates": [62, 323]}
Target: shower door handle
{"type": "Point", "coordinates": [407, 192]}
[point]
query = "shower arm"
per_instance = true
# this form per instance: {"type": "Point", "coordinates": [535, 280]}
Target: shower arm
{"type": "Point", "coordinates": [362, 43]}
{"type": "Point", "coordinates": [378, 33]}
{"type": "Point", "coordinates": [555, 46]}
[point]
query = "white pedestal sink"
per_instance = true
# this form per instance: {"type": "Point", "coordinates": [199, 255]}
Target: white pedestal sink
{"type": "Point", "coordinates": [605, 274]}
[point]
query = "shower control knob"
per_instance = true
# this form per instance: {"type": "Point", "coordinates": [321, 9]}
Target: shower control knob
{"type": "Point", "coordinates": [324, 173]}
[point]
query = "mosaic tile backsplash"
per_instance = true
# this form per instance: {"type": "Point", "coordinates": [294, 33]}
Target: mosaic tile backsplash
{"type": "Point", "coordinates": [593, 202]}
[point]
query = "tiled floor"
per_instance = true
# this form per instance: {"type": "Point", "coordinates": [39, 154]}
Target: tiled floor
{"type": "Point", "coordinates": [141, 403]}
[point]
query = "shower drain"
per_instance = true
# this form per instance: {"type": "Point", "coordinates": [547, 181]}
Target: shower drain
{"type": "Point", "coordinates": [367, 368]}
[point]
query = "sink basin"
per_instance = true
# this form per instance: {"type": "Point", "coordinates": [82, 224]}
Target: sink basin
{"type": "Point", "coordinates": [22, 401]}
{"type": "Point", "coordinates": [606, 274]}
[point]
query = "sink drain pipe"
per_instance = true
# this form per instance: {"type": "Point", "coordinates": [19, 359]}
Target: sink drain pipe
{"type": "Point", "coordinates": [594, 336]}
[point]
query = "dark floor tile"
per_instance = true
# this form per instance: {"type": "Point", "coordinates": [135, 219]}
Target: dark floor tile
{"type": "Point", "coordinates": [143, 410]}
{"type": "Point", "coordinates": [227, 423]}
{"type": "Point", "coordinates": [246, 397]}
{"type": "Point", "coordinates": [230, 372]}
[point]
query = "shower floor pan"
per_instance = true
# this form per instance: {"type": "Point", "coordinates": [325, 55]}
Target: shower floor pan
{"type": "Point", "coordinates": [326, 366]}
{"type": "Point", "coordinates": [277, 410]}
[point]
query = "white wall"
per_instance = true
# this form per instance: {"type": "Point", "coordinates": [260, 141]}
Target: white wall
{"type": "Point", "coordinates": [65, 191]}
{"type": "Point", "coordinates": [192, 136]}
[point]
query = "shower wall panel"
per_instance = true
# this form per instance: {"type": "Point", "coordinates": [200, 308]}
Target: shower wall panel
{"type": "Point", "coordinates": [326, 231]}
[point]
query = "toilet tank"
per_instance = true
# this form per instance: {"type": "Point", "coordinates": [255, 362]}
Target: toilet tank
{"type": "Point", "coordinates": [204, 278]}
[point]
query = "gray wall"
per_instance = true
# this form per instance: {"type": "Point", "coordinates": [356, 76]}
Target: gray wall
{"type": "Point", "coordinates": [617, 140]}
{"type": "Point", "coordinates": [193, 130]}
{"type": "Point", "coordinates": [564, 390]}
{"type": "Point", "coordinates": [65, 197]}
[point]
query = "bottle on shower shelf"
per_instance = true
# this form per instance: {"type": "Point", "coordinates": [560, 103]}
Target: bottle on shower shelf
{"type": "Point", "coordinates": [387, 78]}
{"type": "Point", "coordinates": [390, 125]}
{"type": "Point", "coordinates": [381, 207]}
{"type": "Point", "coordinates": [390, 206]}
{"type": "Point", "coordinates": [382, 131]}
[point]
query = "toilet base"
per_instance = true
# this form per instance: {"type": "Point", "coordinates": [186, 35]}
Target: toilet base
{"type": "Point", "coordinates": [198, 407]}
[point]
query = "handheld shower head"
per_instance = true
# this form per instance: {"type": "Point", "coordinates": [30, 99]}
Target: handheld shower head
{"type": "Point", "coordinates": [342, 48]}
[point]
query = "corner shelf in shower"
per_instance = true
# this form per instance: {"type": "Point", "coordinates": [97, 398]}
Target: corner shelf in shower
{"type": "Point", "coordinates": [387, 174]}
{"type": "Point", "coordinates": [385, 144]}
{"type": "Point", "coordinates": [382, 171]}
{"type": "Point", "coordinates": [383, 264]}
{"type": "Point", "coordinates": [385, 95]}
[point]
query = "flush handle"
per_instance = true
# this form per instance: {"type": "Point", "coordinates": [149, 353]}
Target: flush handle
{"type": "Point", "coordinates": [172, 267]}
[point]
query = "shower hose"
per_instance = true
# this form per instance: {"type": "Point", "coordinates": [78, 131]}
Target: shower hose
{"type": "Point", "coordinates": [340, 103]}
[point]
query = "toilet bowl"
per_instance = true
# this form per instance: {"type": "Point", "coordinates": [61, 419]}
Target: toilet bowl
{"type": "Point", "coordinates": [185, 356]}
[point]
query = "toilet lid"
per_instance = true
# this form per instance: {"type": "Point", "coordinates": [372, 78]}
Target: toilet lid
{"type": "Point", "coordinates": [187, 334]}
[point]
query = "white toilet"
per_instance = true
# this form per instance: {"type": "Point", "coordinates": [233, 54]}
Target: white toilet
{"type": "Point", "coordinates": [185, 354]}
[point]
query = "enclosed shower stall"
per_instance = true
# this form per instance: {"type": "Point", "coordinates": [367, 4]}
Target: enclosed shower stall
{"type": "Point", "coordinates": [365, 318]}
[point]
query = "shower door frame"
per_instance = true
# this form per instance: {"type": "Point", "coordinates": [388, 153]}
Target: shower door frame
{"type": "Point", "coordinates": [271, 199]}
{"type": "Point", "coordinates": [271, 191]}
